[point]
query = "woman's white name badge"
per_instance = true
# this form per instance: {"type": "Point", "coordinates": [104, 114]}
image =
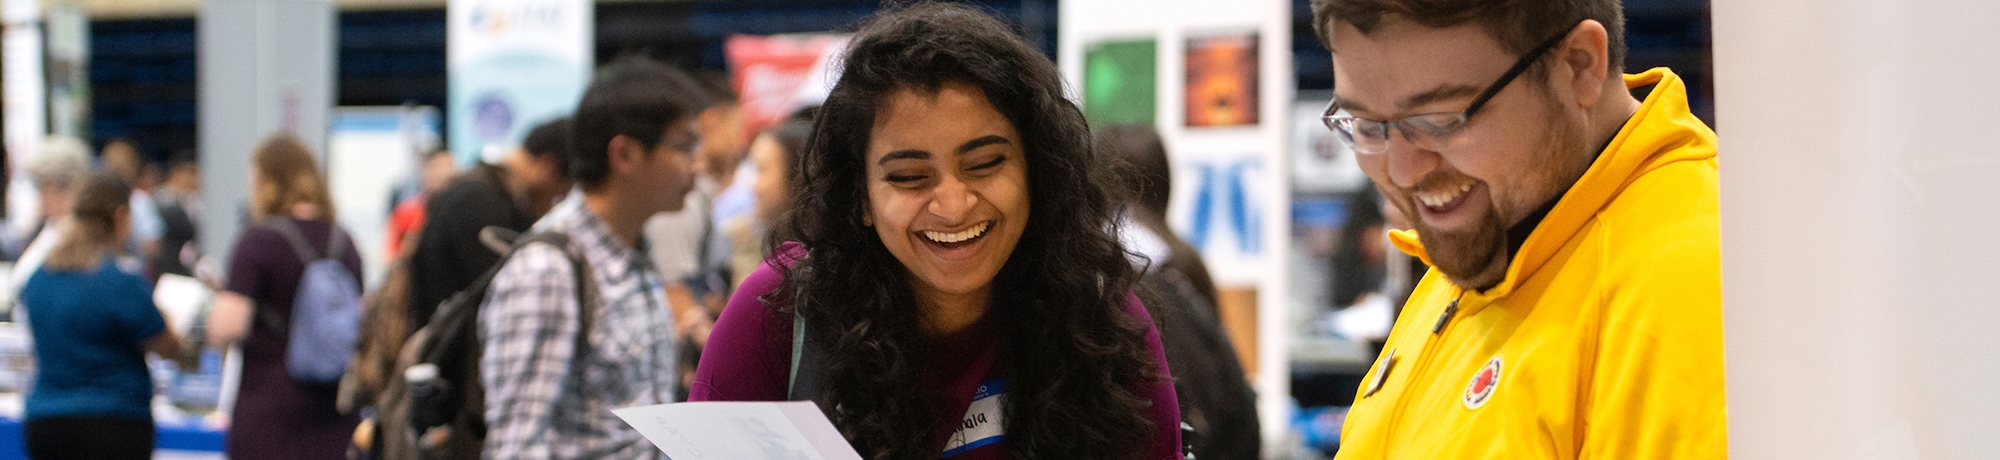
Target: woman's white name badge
{"type": "Point", "coordinates": [982, 424]}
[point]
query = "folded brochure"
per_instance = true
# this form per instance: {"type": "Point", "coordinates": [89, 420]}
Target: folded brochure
{"type": "Point", "coordinates": [791, 430]}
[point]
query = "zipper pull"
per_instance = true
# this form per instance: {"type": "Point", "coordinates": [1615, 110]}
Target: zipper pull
{"type": "Point", "coordinates": [1445, 318]}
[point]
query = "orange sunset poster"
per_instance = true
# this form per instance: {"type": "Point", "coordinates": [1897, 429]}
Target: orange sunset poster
{"type": "Point", "coordinates": [1222, 80]}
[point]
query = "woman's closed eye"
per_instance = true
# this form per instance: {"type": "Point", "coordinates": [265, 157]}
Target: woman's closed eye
{"type": "Point", "coordinates": [905, 178]}
{"type": "Point", "coordinates": [989, 164]}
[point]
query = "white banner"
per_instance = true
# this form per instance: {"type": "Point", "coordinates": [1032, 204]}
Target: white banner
{"type": "Point", "coordinates": [513, 64]}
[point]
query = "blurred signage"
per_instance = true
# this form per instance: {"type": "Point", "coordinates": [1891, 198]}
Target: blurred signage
{"type": "Point", "coordinates": [68, 70]}
{"type": "Point", "coordinates": [776, 75]}
{"type": "Point", "coordinates": [513, 64]}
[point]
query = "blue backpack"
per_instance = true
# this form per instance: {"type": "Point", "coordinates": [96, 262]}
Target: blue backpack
{"type": "Point", "coordinates": [326, 311]}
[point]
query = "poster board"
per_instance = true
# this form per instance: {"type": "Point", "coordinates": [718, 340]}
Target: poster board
{"type": "Point", "coordinates": [1228, 157]}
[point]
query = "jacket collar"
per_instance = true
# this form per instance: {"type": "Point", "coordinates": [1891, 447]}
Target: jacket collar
{"type": "Point", "coordinates": [1664, 130]}
{"type": "Point", "coordinates": [590, 234]}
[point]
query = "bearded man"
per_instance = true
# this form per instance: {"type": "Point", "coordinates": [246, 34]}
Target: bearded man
{"type": "Point", "coordinates": [1569, 214]}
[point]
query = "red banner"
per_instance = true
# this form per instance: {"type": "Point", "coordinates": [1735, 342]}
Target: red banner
{"type": "Point", "coordinates": [778, 74]}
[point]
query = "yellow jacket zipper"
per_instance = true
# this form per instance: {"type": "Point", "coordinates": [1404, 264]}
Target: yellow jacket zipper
{"type": "Point", "coordinates": [1417, 369]}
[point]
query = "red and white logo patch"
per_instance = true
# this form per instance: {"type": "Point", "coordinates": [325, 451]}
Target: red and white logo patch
{"type": "Point", "coordinates": [1483, 383]}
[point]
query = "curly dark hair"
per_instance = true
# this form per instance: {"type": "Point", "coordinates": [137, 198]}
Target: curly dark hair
{"type": "Point", "coordinates": [1079, 359]}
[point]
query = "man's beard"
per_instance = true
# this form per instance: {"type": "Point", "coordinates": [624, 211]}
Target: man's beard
{"type": "Point", "coordinates": [1477, 258]}
{"type": "Point", "coordinates": [1474, 258]}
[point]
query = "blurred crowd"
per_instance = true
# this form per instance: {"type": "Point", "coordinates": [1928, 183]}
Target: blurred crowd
{"type": "Point", "coordinates": [476, 338]}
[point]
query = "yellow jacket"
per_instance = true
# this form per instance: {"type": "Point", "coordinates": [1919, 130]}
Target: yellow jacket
{"type": "Point", "coordinates": [1603, 342]}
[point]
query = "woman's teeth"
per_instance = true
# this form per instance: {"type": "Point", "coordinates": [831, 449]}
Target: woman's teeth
{"type": "Point", "coordinates": [968, 234]}
{"type": "Point", "coordinates": [1440, 199]}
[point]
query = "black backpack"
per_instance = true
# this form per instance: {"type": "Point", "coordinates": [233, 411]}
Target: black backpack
{"type": "Point", "coordinates": [436, 408]}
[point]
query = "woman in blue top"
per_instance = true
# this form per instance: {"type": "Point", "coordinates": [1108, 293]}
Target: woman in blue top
{"type": "Point", "coordinates": [93, 324]}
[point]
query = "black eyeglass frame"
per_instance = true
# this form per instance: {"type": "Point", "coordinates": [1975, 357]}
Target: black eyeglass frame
{"type": "Point", "coordinates": [1334, 121]}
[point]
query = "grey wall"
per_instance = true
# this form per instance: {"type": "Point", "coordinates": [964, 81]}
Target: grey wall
{"type": "Point", "coordinates": [265, 66]}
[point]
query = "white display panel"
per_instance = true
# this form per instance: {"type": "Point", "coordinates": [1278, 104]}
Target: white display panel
{"type": "Point", "coordinates": [369, 150]}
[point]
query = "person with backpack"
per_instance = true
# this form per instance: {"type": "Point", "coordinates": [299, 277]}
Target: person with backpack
{"type": "Point", "coordinates": [445, 258]}
{"type": "Point", "coordinates": [1217, 403]}
{"type": "Point", "coordinates": [292, 300]}
{"type": "Point", "coordinates": [552, 370]}
{"type": "Point", "coordinates": [93, 322]}
{"type": "Point", "coordinates": [513, 194]}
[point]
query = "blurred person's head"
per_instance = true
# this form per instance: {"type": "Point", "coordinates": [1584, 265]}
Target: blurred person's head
{"type": "Point", "coordinates": [62, 162]}
{"type": "Point", "coordinates": [944, 131]}
{"type": "Point", "coordinates": [150, 176]}
{"type": "Point", "coordinates": [285, 181]}
{"type": "Point", "coordinates": [635, 137]}
{"type": "Point", "coordinates": [184, 173]}
{"type": "Point", "coordinates": [437, 170]}
{"type": "Point", "coordinates": [99, 219]}
{"type": "Point", "coordinates": [538, 171]}
{"type": "Point", "coordinates": [1359, 262]}
{"type": "Point", "coordinates": [1148, 177]}
{"type": "Point", "coordinates": [1506, 101]}
{"type": "Point", "coordinates": [122, 157]}
{"type": "Point", "coordinates": [773, 153]}
{"type": "Point", "coordinates": [721, 125]}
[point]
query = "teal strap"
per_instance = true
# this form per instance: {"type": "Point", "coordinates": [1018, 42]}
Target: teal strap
{"type": "Point", "coordinates": [798, 344]}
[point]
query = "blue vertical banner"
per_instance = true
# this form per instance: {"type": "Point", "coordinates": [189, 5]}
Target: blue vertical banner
{"type": "Point", "coordinates": [1227, 213]}
{"type": "Point", "coordinates": [1225, 217]}
{"type": "Point", "coordinates": [513, 64]}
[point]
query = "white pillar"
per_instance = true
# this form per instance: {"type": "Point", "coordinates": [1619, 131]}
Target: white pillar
{"type": "Point", "coordinates": [1860, 227]}
{"type": "Point", "coordinates": [23, 98]}
{"type": "Point", "coordinates": [265, 66]}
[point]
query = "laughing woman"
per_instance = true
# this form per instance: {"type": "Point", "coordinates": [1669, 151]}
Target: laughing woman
{"type": "Point", "coordinates": [960, 290]}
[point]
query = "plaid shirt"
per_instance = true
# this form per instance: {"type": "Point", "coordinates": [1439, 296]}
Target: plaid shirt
{"type": "Point", "coordinates": [537, 405]}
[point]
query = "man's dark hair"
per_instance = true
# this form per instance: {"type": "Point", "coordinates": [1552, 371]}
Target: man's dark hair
{"type": "Point", "coordinates": [1080, 359]}
{"type": "Point", "coordinates": [716, 86]}
{"type": "Point", "coordinates": [550, 138]}
{"type": "Point", "coordinates": [1518, 25]}
{"type": "Point", "coordinates": [635, 97]}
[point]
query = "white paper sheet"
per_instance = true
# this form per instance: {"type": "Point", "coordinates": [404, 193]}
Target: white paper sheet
{"type": "Point", "coordinates": [181, 299]}
{"type": "Point", "coordinates": [792, 430]}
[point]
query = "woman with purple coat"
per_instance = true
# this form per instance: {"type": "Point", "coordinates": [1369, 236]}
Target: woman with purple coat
{"type": "Point", "coordinates": [952, 261]}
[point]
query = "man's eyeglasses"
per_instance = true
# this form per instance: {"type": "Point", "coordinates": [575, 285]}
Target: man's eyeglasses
{"type": "Point", "coordinates": [684, 144]}
{"type": "Point", "coordinates": [1431, 131]}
